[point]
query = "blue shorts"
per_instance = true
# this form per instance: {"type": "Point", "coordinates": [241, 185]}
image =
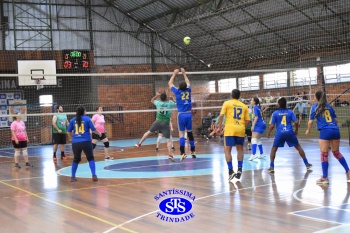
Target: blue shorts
{"type": "Point", "coordinates": [329, 134]}
{"type": "Point", "coordinates": [233, 140]}
{"type": "Point", "coordinates": [260, 128]}
{"type": "Point", "coordinates": [184, 121]}
{"type": "Point", "coordinates": [281, 138]}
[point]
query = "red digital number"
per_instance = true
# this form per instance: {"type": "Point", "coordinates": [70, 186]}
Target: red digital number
{"type": "Point", "coordinates": [85, 64]}
{"type": "Point", "coordinates": [67, 65]}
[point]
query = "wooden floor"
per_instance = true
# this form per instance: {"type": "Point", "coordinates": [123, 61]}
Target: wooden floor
{"type": "Point", "coordinates": [39, 200]}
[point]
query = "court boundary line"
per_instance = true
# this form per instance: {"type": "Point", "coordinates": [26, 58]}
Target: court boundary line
{"type": "Point", "coordinates": [67, 207]}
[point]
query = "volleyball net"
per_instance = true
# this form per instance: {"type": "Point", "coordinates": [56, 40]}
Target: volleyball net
{"type": "Point", "coordinates": [125, 98]}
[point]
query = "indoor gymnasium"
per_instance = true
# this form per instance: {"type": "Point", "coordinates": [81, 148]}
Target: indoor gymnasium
{"type": "Point", "coordinates": [174, 116]}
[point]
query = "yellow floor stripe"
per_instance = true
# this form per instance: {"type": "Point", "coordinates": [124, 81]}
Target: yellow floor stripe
{"type": "Point", "coordinates": [69, 208]}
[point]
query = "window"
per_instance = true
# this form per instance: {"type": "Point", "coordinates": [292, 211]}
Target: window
{"type": "Point", "coordinates": [45, 100]}
{"type": "Point", "coordinates": [227, 85]}
{"type": "Point", "coordinates": [303, 77]}
{"type": "Point", "coordinates": [338, 73]}
{"type": "Point", "coordinates": [275, 80]}
{"type": "Point", "coordinates": [248, 83]}
{"type": "Point", "coordinates": [212, 87]}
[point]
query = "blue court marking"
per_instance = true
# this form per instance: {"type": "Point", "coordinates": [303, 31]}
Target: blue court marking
{"type": "Point", "coordinates": [328, 214]}
{"type": "Point", "coordinates": [161, 166]}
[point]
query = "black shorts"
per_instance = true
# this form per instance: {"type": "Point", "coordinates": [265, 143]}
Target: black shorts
{"type": "Point", "coordinates": [303, 116]}
{"type": "Point", "coordinates": [59, 138]}
{"type": "Point", "coordinates": [21, 144]}
{"type": "Point", "coordinates": [95, 136]}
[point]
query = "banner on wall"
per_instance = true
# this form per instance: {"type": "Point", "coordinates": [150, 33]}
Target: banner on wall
{"type": "Point", "coordinates": [7, 99]}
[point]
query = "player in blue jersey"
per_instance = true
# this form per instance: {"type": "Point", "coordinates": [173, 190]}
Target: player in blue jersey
{"type": "Point", "coordinates": [184, 107]}
{"type": "Point", "coordinates": [258, 128]}
{"type": "Point", "coordinates": [283, 118]}
{"type": "Point", "coordinates": [329, 134]}
{"type": "Point", "coordinates": [79, 127]}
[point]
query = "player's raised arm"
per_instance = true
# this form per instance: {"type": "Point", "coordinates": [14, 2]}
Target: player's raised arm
{"type": "Point", "coordinates": [185, 76]}
{"type": "Point", "coordinates": [155, 97]}
{"type": "Point", "coordinates": [171, 81]}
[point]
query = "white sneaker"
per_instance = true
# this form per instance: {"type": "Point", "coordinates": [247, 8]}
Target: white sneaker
{"type": "Point", "coordinates": [249, 146]}
{"type": "Point", "coordinates": [252, 157]}
{"type": "Point", "coordinates": [261, 156]}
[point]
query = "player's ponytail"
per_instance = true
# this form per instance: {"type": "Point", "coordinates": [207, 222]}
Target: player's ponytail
{"type": "Point", "coordinates": [322, 102]}
{"type": "Point", "coordinates": [80, 112]}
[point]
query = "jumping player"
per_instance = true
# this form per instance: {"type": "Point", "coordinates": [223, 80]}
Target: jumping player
{"type": "Point", "coordinates": [164, 111]}
{"type": "Point", "coordinates": [184, 107]}
{"type": "Point", "coordinates": [283, 119]}
{"type": "Point", "coordinates": [329, 134]}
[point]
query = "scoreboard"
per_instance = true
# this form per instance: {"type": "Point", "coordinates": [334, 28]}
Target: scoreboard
{"type": "Point", "coordinates": [76, 59]}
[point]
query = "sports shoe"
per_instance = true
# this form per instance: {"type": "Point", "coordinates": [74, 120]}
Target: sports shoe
{"type": "Point", "coordinates": [54, 159]}
{"type": "Point", "coordinates": [322, 181]}
{"type": "Point", "coordinates": [64, 158]}
{"type": "Point", "coordinates": [138, 144]}
{"type": "Point", "coordinates": [239, 173]}
{"type": "Point", "coordinates": [348, 176]}
{"type": "Point", "coordinates": [28, 165]}
{"type": "Point", "coordinates": [156, 149]}
{"type": "Point", "coordinates": [308, 166]}
{"type": "Point", "coordinates": [171, 158]}
{"type": "Point", "coordinates": [73, 179]}
{"type": "Point", "coordinates": [249, 146]}
{"type": "Point", "coordinates": [183, 156]}
{"type": "Point", "coordinates": [261, 156]}
{"type": "Point", "coordinates": [17, 165]}
{"type": "Point", "coordinates": [173, 148]}
{"type": "Point", "coordinates": [271, 170]}
{"type": "Point", "coordinates": [193, 154]}
{"type": "Point", "coordinates": [252, 157]}
{"type": "Point", "coordinates": [94, 178]}
{"type": "Point", "coordinates": [231, 174]}
{"type": "Point", "coordinates": [109, 158]}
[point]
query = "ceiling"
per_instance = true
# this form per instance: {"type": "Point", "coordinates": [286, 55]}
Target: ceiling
{"type": "Point", "coordinates": [241, 32]}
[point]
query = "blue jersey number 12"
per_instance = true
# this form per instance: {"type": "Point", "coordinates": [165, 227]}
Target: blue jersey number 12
{"type": "Point", "coordinates": [237, 113]}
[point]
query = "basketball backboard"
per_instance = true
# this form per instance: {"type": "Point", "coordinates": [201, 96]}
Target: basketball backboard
{"type": "Point", "coordinates": [38, 69]}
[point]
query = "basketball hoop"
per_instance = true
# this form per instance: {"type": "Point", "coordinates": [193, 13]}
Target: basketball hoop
{"type": "Point", "coordinates": [38, 84]}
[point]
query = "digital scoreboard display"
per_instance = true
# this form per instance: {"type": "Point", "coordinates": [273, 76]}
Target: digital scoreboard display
{"type": "Point", "coordinates": [76, 59]}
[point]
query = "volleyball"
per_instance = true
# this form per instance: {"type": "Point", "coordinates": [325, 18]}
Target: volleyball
{"type": "Point", "coordinates": [187, 40]}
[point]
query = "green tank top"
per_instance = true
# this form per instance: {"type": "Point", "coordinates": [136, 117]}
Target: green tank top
{"type": "Point", "coordinates": [61, 123]}
{"type": "Point", "coordinates": [164, 110]}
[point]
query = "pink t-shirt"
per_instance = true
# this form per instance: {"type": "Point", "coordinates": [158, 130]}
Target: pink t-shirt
{"type": "Point", "coordinates": [20, 130]}
{"type": "Point", "coordinates": [99, 122]}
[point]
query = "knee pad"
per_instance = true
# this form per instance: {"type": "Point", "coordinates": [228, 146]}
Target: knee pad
{"type": "Point", "coordinates": [93, 146]}
{"type": "Point", "coordinates": [259, 142]}
{"type": "Point", "coordinates": [254, 141]}
{"type": "Point", "coordinates": [75, 160]}
{"type": "Point", "coordinates": [190, 136]}
{"type": "Point", "coordinates": [89, 158]}
{"type": "Point", "coordinates": [106, 144]}
{"type": "Point", "coordinates": [25, 152]}
{"type": "Point", "coordinates": [337, 154]}
{"type": "Point", "coordinates": [324, 156]}
{"type": "Point", "coordinates": [17, 153]}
